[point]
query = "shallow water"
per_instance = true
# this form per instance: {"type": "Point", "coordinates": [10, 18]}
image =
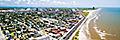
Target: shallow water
{"type": "Point", "coordinates": [108, 24]}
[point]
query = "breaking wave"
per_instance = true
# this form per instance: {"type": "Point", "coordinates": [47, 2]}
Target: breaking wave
{"type": "Point", "coordinates": [84, 31]}
{"type": "Point", "coordinates": [100, 32]}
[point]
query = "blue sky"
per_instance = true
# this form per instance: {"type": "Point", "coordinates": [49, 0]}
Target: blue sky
{"type": "Point", "coordinates": [61, 3]}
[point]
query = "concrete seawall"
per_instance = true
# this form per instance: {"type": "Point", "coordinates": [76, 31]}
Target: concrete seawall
{"type": "Point", "coordinates": [83, 27]}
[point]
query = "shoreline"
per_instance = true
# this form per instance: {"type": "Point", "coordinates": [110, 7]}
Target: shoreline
{"type": "Point", "coordinates": [84, 31]}
{"type": "Point", "coordinates": [96, 32]}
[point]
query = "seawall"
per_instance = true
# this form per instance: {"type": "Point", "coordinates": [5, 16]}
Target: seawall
{"type": "Point", "coordinates": [83, 28]}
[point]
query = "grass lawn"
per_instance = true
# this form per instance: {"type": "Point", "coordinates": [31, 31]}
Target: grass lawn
{"type": "Point", "coordinates": [76, 37]}
{"type": "Point", "coordinates": [85, 13]}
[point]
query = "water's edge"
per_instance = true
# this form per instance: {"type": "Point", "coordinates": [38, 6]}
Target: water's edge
{"type": "Point", "coordinates": [84, 33]}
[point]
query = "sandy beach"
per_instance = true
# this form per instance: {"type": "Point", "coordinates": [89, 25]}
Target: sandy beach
{"type": "Point", "coordinates": [86, 32]}
{"type": "Point", "coordinates": [104, 27]}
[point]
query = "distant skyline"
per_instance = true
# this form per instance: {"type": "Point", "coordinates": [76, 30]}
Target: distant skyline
{"type": "Point", "coordinates": [60, 3]}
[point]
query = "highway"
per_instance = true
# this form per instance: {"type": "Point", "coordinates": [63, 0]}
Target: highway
{"type": "Point", "coordinates": [66, 37]}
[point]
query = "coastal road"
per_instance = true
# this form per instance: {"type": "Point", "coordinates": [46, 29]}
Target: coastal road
{"type": "Point", "coordinates": [66, 37]}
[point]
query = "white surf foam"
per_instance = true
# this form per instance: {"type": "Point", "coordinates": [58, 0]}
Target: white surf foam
{"type": "Point", "coordinates": [101, 33]}
{"type": "Point", "coordinates": [84, 32]}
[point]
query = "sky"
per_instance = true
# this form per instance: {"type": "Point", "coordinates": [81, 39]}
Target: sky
{"type": "Point", "coordinates": [60, 3]}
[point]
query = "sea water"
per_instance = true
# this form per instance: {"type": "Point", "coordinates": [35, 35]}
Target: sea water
{"type": "Point", "coordinates": [106, 25]}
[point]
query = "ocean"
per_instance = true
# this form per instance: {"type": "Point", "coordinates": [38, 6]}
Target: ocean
{"type": "Point", "coordinates": [106, 26]}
